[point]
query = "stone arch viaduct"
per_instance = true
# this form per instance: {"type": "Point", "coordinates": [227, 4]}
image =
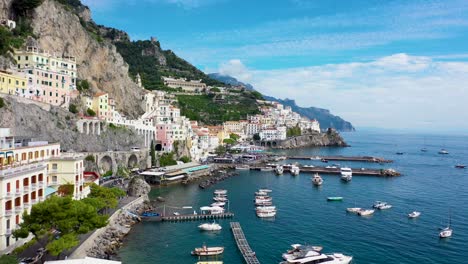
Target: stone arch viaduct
{"type": "Point", "coordinates": [111, 160]}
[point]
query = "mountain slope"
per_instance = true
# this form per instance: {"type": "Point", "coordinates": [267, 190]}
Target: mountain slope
{"type": "Point", "coordinates": [324, 116]}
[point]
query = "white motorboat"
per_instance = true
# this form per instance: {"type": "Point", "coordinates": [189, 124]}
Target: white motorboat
{"type": "Point", "coordinates": [384, 207]}
{"type": "Point", "coordinates": [176, 213]}
{"type": "Point", "coordinates": [346, 174]}
{"type": "Point", "coordinates": [243, 167]}
{"type": "Point", "coordinates": [381, 205]}
{"type": "Point", "coordinates": [296, 248]}
{"type": "Point", "coordinates": [447, 232]}
{"type": "Point", "coordinates": [220, 199]}
{"type": "Point", "coordinates": [264, 214]}
{"type": "Point", "coordinates": [265, 208]}
{"type": "Point", "coordinates": [263, 203]}
{"type": "Point", "coordinates": [261, 194]}
{"type": "Point", "coordinates": [414, 214]}
{"type": "Point", "coordinates": [265, 190]}
{"type": "Point", "coordinates": [267, 169]}
{"type": "Point", "coordinates": [295, 170]}
{"type": "Point", "coordinates": [208, 251]}
{"type": "Point", "coordinates": [220, 204]}
{"type": "Point", "coordinates": [353, 210]}
{"type": "Point", "coordinates": [210, 227]}
{"type": "Point", "coordinates": [317, 180]}
{"type": "Point", "coordinates": [443, 152]}
{"type": "Point", "coordinates": [263, 198]}
{"type": "Point", "coordinates": [365, 212]}
{"type": "Point", "coordinates": [220, 192]}
{"type": "Point", "coordinates": [279, 170]}
{"type": "Point", "coordinates": [312, 256]}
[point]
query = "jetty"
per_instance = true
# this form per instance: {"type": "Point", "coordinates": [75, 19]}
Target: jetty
{"type": "Point", "coordinates": [243, 245]}
{"type": "Point", "coordinates": [192, 217]}
{"type": "Point", "coordinates": [343, 158]}
{"type": "Point", "coordinates": [337, 170]}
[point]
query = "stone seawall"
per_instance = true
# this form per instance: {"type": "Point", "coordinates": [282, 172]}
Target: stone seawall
{"type": "Point", "coordinates": [105, 241]}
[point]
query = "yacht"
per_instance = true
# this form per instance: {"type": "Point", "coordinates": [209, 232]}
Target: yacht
{"type": "Point", "coordinates": [208, 251]}
{"type": "Point", "coordinates": [265, 208]}
{"type": "Point", "coordinates": [220, 192]}
{"type": "Point", "coordinates": [312, 256]}
{"type": "Point", "coordinates": [265, 214]}
{"type": "Point", "coordinates": [346, 174]}
{"type": "Point", "coordinates": [295, 170]}
{"type": "Point", "coordinates": [263, 203]}
{"type": "Point", "coordinates": [213, 210]}
{"type": "Point", "coordinates": [210, 227]}
{"type": "Point", "coordinates": [259, 193]}
{"type": "Point", "coordinates": [279, 170]}
{"type": "Point", "coordinates": [265, 190]}
{"type": "Point", "coordinates": [365, 212]}
{"type": "Point", "coordinates": [220, 199]}
{"type": "Point", "coordinates": [219, 204]}
{"type": "Point", "coordinates": [317, 180]}
{"type": "Point", "coordinates": [381, 205]}
{"type": "Point", "coordinates": [446, 232]}
{"type": "Point", "coordinates": [290, 254]}
{"type": "Point", "coordinates": [353, 210]}
{"type": "Point", "coordinates": [263, 199]}
{"type": "Point", "coordinates": [443, 151]}
{"type": "Point", "coordinates": [267, 169]}
{"type": "Point", "coordinates": [414, 214]}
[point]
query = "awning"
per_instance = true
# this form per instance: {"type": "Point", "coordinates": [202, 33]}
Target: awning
{"type": "Point", "coordinates": [49, 191]}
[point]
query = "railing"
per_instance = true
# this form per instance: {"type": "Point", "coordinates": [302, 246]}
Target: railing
{"type": "Point", "coordinates": [41, 184]}
{"type": "Point", "coordinates": [33, 186]}
{"type": "Point", "coordinates": [26, 189]}
{"type": "Point", "coordinates": [8, 195]}
{"type": "Point", "coordinates": [8, 212]}
{"type": "Point", "coordinates": [54, 183]}
{"type": "Point", "coordinates": [26, 205]}
{"type": "Point", "coordinates": [12, 171]}
{"type": "Point", "coordinates": [18, 209]}
{"type": "Point", "coordinates": [18, 192]}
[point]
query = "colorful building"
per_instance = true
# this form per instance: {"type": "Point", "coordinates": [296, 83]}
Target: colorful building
{"type": "Point", "coordinates": [67, 170]}
{"type": "Point", "coordinates": [13, 83]}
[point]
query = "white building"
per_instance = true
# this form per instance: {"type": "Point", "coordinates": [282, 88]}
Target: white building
{"type": "Point", "coordinates": [188, 86]}
{"type": "Point", "coordinates": [278, 133]}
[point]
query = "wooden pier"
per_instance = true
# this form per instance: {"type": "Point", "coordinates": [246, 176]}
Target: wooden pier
{"type": "Point", "coordinates": [247, 253]}
{"type": "Point", "coordinates": [191, 217]}
{"type": "Point", "coordinates": [343, 158]}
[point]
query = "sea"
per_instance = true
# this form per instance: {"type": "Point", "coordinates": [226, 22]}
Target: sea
{"type": "Point", "coordinates": [430, 183]}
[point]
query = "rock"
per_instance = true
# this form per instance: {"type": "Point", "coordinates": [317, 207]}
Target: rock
{"type": "Point", "coordinates": [330, 139]}
{"type": "Point", "coordinates": [138, 187]}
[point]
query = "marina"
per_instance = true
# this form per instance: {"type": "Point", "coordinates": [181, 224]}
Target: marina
{"type": "Point", "coordinates": [248, 254]}
{"type": "Point", "coordinates": [193, 217]}
{"type": "Point", "coordinates": [337, 171]}
{"type": "Point", "coordinates": [342, 158]}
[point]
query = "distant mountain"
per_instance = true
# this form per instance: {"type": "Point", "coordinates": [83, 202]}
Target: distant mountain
{"type": "Point", "coordinates": [324, 116]}
{"type": "Point", "coordinates": [230, 80]}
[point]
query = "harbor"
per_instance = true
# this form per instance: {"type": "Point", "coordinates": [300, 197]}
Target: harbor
{"type": "Point", "coordinates": [343, 158]}
{"type": "Point", "coordinates": [332, 170]}
{"type": "Point", "coordinates": [195, 217]}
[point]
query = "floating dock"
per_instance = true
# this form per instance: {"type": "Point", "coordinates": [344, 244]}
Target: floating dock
{"type": "Point", "coordinates": [191, 217]}
{"type": "Point", "coordinates": [343, 158]}
{"type": "Point", "coordinates": [243, 245]}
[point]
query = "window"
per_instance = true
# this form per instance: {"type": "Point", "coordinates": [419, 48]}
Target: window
{"type": "Point", "coordinates": [54, 166]}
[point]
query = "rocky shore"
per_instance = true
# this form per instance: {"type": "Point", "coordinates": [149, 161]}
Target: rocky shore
{"type": "Point", "coordinates": [218, 177]}
{"type": "Point", "coordinates": [331, 138]}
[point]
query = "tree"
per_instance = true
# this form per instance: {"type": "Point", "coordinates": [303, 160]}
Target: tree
{"type": "Point", "coordinates": [153, 154]}
{"type": "Point", "coordinates": [107, 195]}
{"type": "Point", "coordinates": [73, 109]}
{"type": "Point", "coordinates": [185, 159]}
{"type": "Point", "coordinates": [256, 136]}
{"type": "Point", "coordinates": [293, 131]}
{"type": "Point", "coordinates": [82, 85]}
{"type": "Point", "coordinates": [8, 259]}
{"type": "Point", "coordinates": [167, 159]}
{"type": "Point", "coordinates": [69, 217]}
{"type": "Point", "coordinates": [229, 141]}
{"type": "Point", "coordinates": [220, 150]}
{"type": "Point", "coordinates": [234, 136]}
{"type": "Point", "coordinates": [90, 112]}
{"type": "Point", "coordinates": [215, 90]}
{"type": "Point", "coordinates": [257, 95]}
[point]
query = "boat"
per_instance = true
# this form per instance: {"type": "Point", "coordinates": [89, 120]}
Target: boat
{"type": "Point", "coordinates": [312, 256]}
{"type": "Point", "coordinates": [160, 199]}
{"type": "Point", "coordinates": [460, 166]}
{"type": "Point", "coordinates": [176, 213]}
{"type": "Point", "coordinates": [265, 190]}
{"type": "Point", "coordinates": [261, 193]}
{"type": "Point", "coordinates": [365, 212]}
{"type": "Point", "coordinates": [447, 232]}
{"type": "Point", "coordinates": [266, 169]}
{"type": "Point", "coordinates": [295, 170]}
{"type": "Point", "coordinates": [150, 216]}
{"type": "Point", "coordinates": [353, 210]}
{"type": "Point", "coordinates": [317, 180]}
{"type": "Point", "coordinates": [213, 210]}
{"type": "Point", "coordinates": [220, 204]}
{"type": "Point", "coordinates": [243, 167]}
{"type": "Point", "coordinates": [263, 199]}
{"type": "Point", "coordinates": [210, 262]}
{"type": "Point", "coordinates": [400, 153]}
{"type": "Point", "coordinates": [298, 248]}
{"type": "Point", "coordinates": [210, 227]}
{"type": "Point", "coordinates": [263, 203]}
{"type": "Point", "coordinates": [279, 170]}
{"type": "Point", "coordinates": [443, 152]}
{"type": "Point", "coordinates": [381, 205]}
{"type": "Point", "coordinates": [414, 214]}
{"type": "Point", "coordinates": [220, 192]}
{"type": "Point", "coordinates": [324, 160]}
{"type": "Point", "coordinates": [335, 198]}
{"type": "Point", "coordinates": [208, 251]}
{"type": "Point", "coordinates": [424, 149]}
{"type": "Point", "coordinates": [265, 214]}
{"type": "Point", "coordinates": [346, 174]}
{"type": "Point", "coordinates": [220, 199]}
{"type": "Point", "coordinates": [265, 208]}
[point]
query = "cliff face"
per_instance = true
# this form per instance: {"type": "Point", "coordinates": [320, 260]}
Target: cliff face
{"type": "Point", "coordinates": [5, 8]}
{"type": "Point", "coordinates": [329, 139]}
{"type": "Point", "coordinates": [59, 30]}
{"type": "Point", "coordinates": [58, 125]}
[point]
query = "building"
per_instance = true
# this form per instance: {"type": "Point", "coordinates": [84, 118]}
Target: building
{"type": "Point", "coordinates": [236, 127]}
{"type": "Point", "coordinates": [68, 169]}
{"type": "Point", "coordinates": [102, 105]}
{"type": "Point", "coordinates": [268, 134]}
{"type": "Point", "coordinates": [23, 182]}
{"type": "Point", "coordinates": [13, 83]}
{"type": "Point", "coordinates": [188, 86]}
{"type": "Point", "coordinates": [8, 23]}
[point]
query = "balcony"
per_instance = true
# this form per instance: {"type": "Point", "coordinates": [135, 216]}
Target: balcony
{"type": "Point", "coordinates": [33, 186]}
{"type": "Point", "coordinates": [8, 212]}
{"type": "Point", "coordinates": [26, 189]}
{"type": "Point", "coordinates": [8, 195]}
{"type": "Point", "coordinates": [18, 209]}
{"type": "Point", "coordinates": [26, 205]}
{"type": "Point", "coordinates": [18, 192]}
{"type": "Point", "coordinates": [41, 198]}
{"type": "Point", "coordinates": [54, 183]}
{"type": "Point", "coordinates": [40, 184]}
{"type": "Point", "coordinates": [19, 169]}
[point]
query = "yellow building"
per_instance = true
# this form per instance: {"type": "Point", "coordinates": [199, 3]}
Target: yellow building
{"type": "Point", "coordinates": [11, 83]}
{"type": "Point", "coordinates": [67, 169]}
{"type": "Point", "coordinates": [100, 105]}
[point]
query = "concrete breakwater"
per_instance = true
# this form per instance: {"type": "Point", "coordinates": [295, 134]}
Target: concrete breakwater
{"type": "Point", "coordinates": [106, 241]}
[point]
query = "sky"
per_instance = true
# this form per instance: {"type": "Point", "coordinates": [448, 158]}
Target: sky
{"type": "Point", "coordinates": [376, 63]}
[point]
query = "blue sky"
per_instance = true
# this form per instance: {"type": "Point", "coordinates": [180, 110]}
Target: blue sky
{"type": "Point", "coordinates": [395, 64]}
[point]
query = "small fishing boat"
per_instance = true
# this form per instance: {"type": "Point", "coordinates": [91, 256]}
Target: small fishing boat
{"type": "Point", "coordinates": [334, 198]}
{"type": "Point", "coordinates": [317, 180]}
{"type": "Point", "coordinates": [366, 212]}
{"type": "Point", "coordinates": [460, 166]}
{"type": "Point", "coordinates": [414, 214]}
{"type": "Point", "coordinates": [220, 192]}
{"type": "Point", "coordinates": [208, 251]}
{"type": "Point", "coordinates": [443, 152]}
{"type": "Point", "coordinates": [210, 227]}
{"type": "Point", "coordinates": [279, 170]}
{"type": "Point", "coordinates": [353, 210]}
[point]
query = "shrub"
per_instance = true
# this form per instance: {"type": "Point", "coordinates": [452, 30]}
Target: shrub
{"type": "Point", "coordinates": [90, 158]}
{"type": "Point", "coordinates": [185, 159]}
{"type": "Point", "coordinates": [90, 112]}
{"type": "Point", "coordinates": [2, 103]}
{"type": "Point", "coordinates": [215, 90]}
{"type": "Point", "coordinates": [82, 85]}
{"type": "Point", "coordinates": [73, 109]}
{"type": "Point", "coordinates": [167, 159]}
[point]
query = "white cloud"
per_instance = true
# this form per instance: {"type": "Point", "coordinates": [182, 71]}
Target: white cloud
{"type": "Point", "coordinates": [235, 68]}
{"type": "Point", "coordinates": [397, 91]}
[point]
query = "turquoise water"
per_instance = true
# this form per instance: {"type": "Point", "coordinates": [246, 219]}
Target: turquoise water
{"type": "Point", "coordinates": [430, 184]}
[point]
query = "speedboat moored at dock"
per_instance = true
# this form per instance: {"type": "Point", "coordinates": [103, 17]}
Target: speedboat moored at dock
{"type": "Point", "coordinates": [346, 174]}
{"type": "Point", "coordinates": [208, 251]}
{"type": "Point", "coordinates": [317, 180]}
{"type": "Point", "coordinates": [210, 227]}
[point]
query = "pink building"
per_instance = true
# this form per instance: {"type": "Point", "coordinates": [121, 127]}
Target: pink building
{"type": "Point", "coordinates": [50, 87]}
